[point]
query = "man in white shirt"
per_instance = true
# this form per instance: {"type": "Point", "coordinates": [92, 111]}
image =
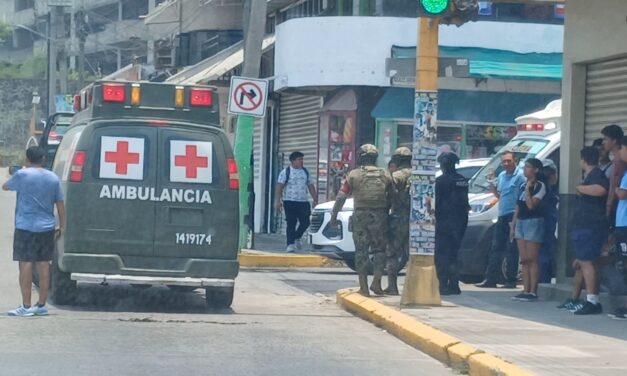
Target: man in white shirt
{"type": "Point", "coordinates": [293, 185]}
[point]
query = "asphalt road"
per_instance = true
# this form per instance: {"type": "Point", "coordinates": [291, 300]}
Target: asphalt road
{"type": "Point", "coordinates": [283, 322]}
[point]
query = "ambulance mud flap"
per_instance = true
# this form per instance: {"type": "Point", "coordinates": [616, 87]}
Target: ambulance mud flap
{"type": "Point", "coordinates": [127, 279]}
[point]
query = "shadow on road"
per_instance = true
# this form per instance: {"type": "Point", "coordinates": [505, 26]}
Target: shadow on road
{"type": "Point", "coordinates": [156, 299]}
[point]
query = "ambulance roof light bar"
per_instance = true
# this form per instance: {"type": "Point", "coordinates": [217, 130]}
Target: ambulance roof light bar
{"type": "Point", "coordinates": [114, 92]}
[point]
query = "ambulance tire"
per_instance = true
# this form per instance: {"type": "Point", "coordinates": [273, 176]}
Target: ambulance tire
{"type": "Point", "coordinates": [63, 290]}
{"type": "Point", "coordinates": [219, 297]}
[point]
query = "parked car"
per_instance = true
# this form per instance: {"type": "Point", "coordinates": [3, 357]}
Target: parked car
{"type": "Point", "coordinates": [337, 243]}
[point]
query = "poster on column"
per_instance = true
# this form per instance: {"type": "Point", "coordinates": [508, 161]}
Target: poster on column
{"type": "Point", "coordinates": [424, 153]}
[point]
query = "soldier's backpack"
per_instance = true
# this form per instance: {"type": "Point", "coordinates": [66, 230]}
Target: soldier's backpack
{"type": "Point", "coordinates": [373, 185]}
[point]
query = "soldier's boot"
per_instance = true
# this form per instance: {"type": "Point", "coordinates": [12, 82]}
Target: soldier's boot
{"type": "Point", "coordinates": [378, 263]}
{"type": "Point", "coordinates": [375, 286]}
{"type": "Point", "coordinates": [363, 285]}
{"type": "Point", "coordinates": [392, 288]}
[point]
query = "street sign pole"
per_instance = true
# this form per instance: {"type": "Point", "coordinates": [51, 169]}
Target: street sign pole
{"type": "Point", "coordinates": [243, 149]}
{"type": "Point", "coordinates": [421, 284]}
{"type": "Point", "coordinates": [247, 99]}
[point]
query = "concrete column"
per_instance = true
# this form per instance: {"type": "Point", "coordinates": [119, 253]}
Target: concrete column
{"type": "Point", "coordinates": [356, 7]}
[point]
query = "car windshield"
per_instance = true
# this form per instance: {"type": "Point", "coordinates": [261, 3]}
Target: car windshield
{"type": "Point", "coordinates": [523, 149]}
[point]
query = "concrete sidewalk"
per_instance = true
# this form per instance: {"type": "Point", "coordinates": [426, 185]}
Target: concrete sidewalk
{"type": "Point", "coordinates": [534, 336]}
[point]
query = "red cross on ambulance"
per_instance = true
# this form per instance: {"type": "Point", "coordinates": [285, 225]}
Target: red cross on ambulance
{"type": "Point", "coordinates": [190, 161]}
{"type": "Point", "coordinates": [122, 158]}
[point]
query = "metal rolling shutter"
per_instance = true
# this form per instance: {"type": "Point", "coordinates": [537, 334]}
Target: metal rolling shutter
{"type": "Point", "coordinates": [606, 97]}
{"type": "Point", "coordinates": [298, 129]}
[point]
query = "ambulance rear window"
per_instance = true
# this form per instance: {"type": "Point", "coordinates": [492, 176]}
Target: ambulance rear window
{"type": "Point", "coordinates": [122, 156]}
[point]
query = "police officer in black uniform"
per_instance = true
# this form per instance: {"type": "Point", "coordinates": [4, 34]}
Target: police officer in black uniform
{"type": "Point", "coordinates": [451, 215]}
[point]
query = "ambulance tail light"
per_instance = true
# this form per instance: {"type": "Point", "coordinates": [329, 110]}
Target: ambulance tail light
{"type": "Point", "coordinates": [77, 166]}
{"type": "Point", "coordinates": [114, 93]}
{"type": "Point", "coordinates": [200, 97]}
{"type": "Point", "coordinates": [530, 127]}
{"type": "Point", "coordinates": [77, 103]}
{"type": "Point", "coordinates": [233, 175]}
{"type": "Point", "coordinates": [135, 94]}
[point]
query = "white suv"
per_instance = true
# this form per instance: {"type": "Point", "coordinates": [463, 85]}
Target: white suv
{"type": "Point", "coordinates": [337, 243]}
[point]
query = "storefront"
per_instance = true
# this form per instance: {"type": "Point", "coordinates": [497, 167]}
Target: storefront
{"type": "Point", "coordinates": [470, 124]}
{"type": "Point", "coordinates": [337, 143]}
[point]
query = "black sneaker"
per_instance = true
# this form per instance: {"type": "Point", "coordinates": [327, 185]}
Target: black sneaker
{"type": "Point", "coordinates": [569, 304]}
{"type": "Point", "coordinates": [509, 285]}
{"type": "Point", "coordinates": [530, 297]}
{"type": "Point", "coordinates": [486, 284]}
{"type": "Point", "coordinates": [520, 296]}
{"type": "Point", "coordinates": [576, 306]}
{"type": "Point", "coordinates": [589, 308]}
{"type": "Point", "coordinates": [619, 314]}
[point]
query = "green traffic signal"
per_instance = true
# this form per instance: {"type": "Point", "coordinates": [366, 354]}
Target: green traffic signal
{"type": "Point", "coordinates": [435, 6]}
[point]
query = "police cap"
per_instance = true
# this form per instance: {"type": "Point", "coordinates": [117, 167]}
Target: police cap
{"type": "Point", "coordinates": [448, 159]}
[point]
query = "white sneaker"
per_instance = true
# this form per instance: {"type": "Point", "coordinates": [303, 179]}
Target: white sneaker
{"type": "Point", "coordinates": [291, 248]}
{"type": "Point", "coordinates": [299, 244]}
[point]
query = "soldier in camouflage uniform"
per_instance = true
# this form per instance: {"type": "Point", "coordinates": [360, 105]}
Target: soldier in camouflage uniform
{"type": "Point", "coordinates": [372, 190]}
{"type": "Point", "coordinates": [399, 218]}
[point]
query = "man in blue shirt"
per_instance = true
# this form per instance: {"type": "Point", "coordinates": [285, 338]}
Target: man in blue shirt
{"type": "Point", "coordinates": [506, 190]}
{"type": "Point", "coordinates": [38, 192]}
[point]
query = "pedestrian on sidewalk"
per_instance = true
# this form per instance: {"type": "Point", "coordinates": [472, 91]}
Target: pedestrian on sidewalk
{"type": "Point", "coordinates": [528, 227]}
{"type": "Point", "coordinates": [293, 185]}
{"type": "Point", "coordinates": [451, 215]}
{"type": "Point", "coordinates": [589, 227]}
{"type": "Point", "coordinates": [620, 231]}
{"type": "Point", "coordinates": [399, 215]}
{"type": "Point", "coordinates": [551, 215]}
{"type": "Point", "coordinates": [605, 163]}
{"type": "Point", "coordinates": [508, 183]}
{"type": "Point", "coordinates": [372, 190]}
{"type": "Point", "coordinates": [612, 136]}
{"type": "Point", "coordinates": [38, 192]}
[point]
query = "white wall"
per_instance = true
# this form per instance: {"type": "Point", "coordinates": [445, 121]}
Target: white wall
{"type": "Point", "coordinates": [592, 33]}
{"type": "Point", "coordinates": [329, 51]}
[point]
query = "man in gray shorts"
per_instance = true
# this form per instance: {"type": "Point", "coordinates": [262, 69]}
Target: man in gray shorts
{"type": "Point", "coordinates": [38, 192]}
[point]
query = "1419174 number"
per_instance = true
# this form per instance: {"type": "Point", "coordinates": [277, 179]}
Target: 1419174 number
{"type": "Point", "coordinates": [192, 239]}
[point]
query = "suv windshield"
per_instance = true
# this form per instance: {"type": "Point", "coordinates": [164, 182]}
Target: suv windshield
{"type": "Point", "coordinates": [523, 149]}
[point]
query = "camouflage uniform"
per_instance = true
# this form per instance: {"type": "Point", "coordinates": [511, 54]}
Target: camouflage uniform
{"type": "Point", "coordinates": [372, 190]}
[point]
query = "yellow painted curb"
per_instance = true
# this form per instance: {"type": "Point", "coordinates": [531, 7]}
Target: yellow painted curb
{"type": "Point", "coordinates": [490, 365]}
{"type": "Point", "coordinates": [280, 260]}
{"type": "Point", "coordinates": [433, 342]}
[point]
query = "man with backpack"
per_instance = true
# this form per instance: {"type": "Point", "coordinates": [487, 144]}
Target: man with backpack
{"type": "Point", "coordinates": [291, 194]}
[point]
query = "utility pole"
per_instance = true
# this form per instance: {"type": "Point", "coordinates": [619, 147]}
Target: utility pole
{"type": "Point", "coordinates": [421, 283]}
{"type": "Point", "coordinates": [254, 30]}
{"type": "Point", "coordinates": [81, 32]}
{"type": "Point", "coordinates": [53, 22]}
{"type": "Point", "coordinates": [62, 55]}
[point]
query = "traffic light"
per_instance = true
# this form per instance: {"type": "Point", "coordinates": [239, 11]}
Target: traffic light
{"type": "Point", "coordinates": [449, 11]}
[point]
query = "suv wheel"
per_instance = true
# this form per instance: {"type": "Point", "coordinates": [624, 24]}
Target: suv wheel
{"type": "Point", "coordinates": [62, 289]}
{"type": "Point", "coordinates": [219, 297]}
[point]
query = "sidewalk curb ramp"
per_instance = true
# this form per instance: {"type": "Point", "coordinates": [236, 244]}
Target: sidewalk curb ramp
{"type": "Point", "coordinates": [433, 342]}
{"type": "Point", "coordinates": [257, 259]}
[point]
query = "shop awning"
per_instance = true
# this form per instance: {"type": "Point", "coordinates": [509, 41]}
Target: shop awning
{"type": "Point", "coordinates": [213, 67]}
{"type": "Point", "coordinates": [396, 103]}
{"type": "Point", "coordinates": [463, 106]}
{"type": "Point", "coordinates": [485, 62]}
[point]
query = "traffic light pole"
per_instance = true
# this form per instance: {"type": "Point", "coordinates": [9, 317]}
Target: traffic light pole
{"type": "Point", "coordinates": [421, 283]}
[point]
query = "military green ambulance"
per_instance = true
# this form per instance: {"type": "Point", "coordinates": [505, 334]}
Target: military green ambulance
{"type": "Point", "coordinates": [151, 192]}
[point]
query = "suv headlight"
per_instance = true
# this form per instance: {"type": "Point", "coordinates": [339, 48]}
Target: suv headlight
{"type": "Point", "coordinates": [481, 205]}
